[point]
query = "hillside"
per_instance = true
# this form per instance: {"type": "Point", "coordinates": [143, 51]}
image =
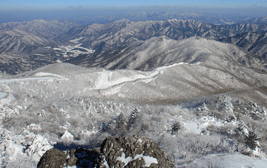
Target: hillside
{"type": "Point", "coordinates": [253, 42]}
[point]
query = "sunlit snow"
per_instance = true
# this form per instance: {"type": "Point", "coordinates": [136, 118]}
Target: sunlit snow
{"type": "Point", "coordinates": [148, 159]}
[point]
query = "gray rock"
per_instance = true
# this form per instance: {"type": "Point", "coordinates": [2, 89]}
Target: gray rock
{"type": "Point", "coordinates": [53, 158]}
{"type": "Point", "coordinates": [128, 151]}
{"type": "Point", "coordinates": [133, 151]}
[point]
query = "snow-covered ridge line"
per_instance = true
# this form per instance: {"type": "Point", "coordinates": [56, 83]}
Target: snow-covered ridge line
{"type": "Point", "coordinates": [40, 76]}
{"type": "Point", "coordinates": [105, 82]}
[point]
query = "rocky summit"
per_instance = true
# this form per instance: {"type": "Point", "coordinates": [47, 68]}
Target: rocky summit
{"type": "Point", "coordinates": [127, 151]}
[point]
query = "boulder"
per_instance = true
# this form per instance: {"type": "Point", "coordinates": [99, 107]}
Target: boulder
{"type": "Point", "coordinates": [133, 151]}
{"type": "Point", "coordinates": [53, 158]}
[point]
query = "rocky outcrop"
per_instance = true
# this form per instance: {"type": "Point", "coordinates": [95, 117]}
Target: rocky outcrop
{"type": "Point", "coordinates": [53, 158]}
{"type": "Point", "coordinates": [127, 151]}
{"type": "Point", "coordinates": [130, 152]}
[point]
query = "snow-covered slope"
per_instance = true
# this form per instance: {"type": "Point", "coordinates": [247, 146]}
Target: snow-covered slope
{"type": "Point", "coordinates": [42, 28]}
{"type": "Point", "coordinates": [196, 98]}
{"type": "Point", "coordinates": [234, 160]}
{"type": "Point", "coordinates": [18, 40]}
{"type": "Point", "coordinates": [124, 32]}
{"type": "Point", "coordinates": [254, 42]}
{"type": "Point", "coordinates": [67, 104]}
{"type": "Point", "coordinates": [29, 45]}
{"type": "Point", "coordinates": [162, 51]}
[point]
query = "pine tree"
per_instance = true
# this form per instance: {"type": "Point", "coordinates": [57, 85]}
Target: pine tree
{"type": "Point", "coordinates": [121, 124]}
{"type": "Point", "coordinates": [251, 140]}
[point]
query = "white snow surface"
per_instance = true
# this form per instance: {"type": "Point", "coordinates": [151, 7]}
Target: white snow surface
{"type": "Point", "coordinates": [29, 91]}
{"type": "Point", "coordinates": [2, 94]}
{"type": "Point", "coordinates": [232, 160]}
{"type": "Point", "coordinates": [200, 124]}
{"type": "Point", "coordinates": [42, 74]}
{"type": "Point", "coordinates": [106, 163]}
{"type": "Point", "coordinates": [6, 99]}
{"type": "Point", "coordinates": [6, 81]}
{"type": "Point", "coordinates": [23, 150]}
{"type": "Point", "coordinates": [72, 50]}
{"type": "Point", "coordinates": [106, 80]}
{"type": "Point", "coordinates": [76, 40]}
{"type": "Point", "coordinates": [148, 159]}
{"type": "Point", "coordinates": [67, 137]}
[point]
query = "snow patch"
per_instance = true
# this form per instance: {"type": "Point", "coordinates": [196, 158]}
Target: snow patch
{"type": "Point", "coordinates": [67, 137]}
{"type": "Point", "coordinates": [47, 78]}
{"type": "Point", "coordinates": [34, 127]}
{"type": "Point", "coordinates": [201, 124]}
{"type": "Point", "coordinates": [2, 94]}
{"type": "Point", "coordinates": [161, 69]}
{"type": "Point", "coordinates": [38, 147]}
{"type": "Point", "coordinates": [105, 163]}
{"type": "Point", "coordinates": [76, 40]}
{"type": "Point", "coordinates": [106, 80]}
{"type": "Point", "coordinates": [235, 160]}
{"type": "Point", "coordinates": [73, 50]}
{"type": "Point", "coordinates": [6, 99]}
{"type": "Point", "coordinates": [148, 159]}
{"type": "Point", "coordinates": [40, 74]}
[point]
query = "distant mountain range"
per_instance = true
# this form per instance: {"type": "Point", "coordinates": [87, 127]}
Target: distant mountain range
{"type": "Point", "coordinates": [198, 88]}
{"type": "Point", "coordinates": [259, 20]}
{"type": "Point", "coordinates": [163, 51]}
{"type": "Point", "coordinates": [29, 45]}
{"type": "Point", "coordinates": [124, 32]}
{"type": "Point", "coordinates": [153, 16]}
{"type": "Point", "coordinates": [42, 28]}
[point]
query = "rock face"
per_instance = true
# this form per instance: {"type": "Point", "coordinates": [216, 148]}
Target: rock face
{"type": "Point", "coordinates": [127, 151]}
{"type": "Point", "coordinates": [55, 158]}
{"type": "Point", "coordinates": [130, 152]}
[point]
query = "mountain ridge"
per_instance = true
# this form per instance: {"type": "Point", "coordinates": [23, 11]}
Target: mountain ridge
{"type": "Point", "coordinates": [163, 51]}
{"type": "Point", "coordinates": [123, 32]}
{"type": "Point", "coordinates": [80, 41]}
{"type": "Point", "coordinates": [254, 42]}
{"type": "Point", "coordinates": [43, 28]}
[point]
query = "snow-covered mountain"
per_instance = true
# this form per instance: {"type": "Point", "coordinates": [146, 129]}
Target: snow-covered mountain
{"type": "Point", "coordinates": [152, 16]}
{"type": "Point", "coordinates": [254, 42]}
{"type": "Point", "coordinates": [20, 41]}
{"type": "Point", "coordinates": [258, 20]}
{"type": "Point", "coordinates": [124, 32]}
{"type": "Point", "coordinates": [28, 43]}
{"type": "Point", "coordinates": [163, 51]}
{"type": "Point", "coordinates": [27, 36]}
{"type": "Point", "coordinates": [42, 28]}
{"type": "Point", "coordinates": [202, 101]}
{"type": "Point", "coordinates": [66, 104]}
{"type": "Point", "coordinates": [214, 94]}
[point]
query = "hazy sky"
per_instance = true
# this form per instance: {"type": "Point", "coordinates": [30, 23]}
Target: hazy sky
{"type": "Point", "coordinates": [22, 4]}
{"type": "Point", "coordinates": [26, 10]}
